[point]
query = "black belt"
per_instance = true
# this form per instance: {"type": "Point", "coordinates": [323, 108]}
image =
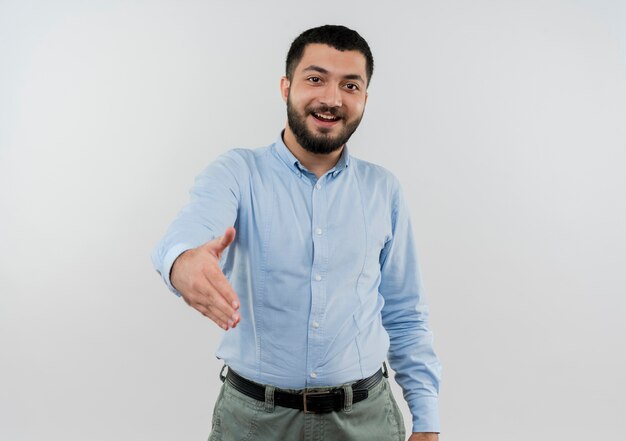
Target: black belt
{"type": "Point", "coordinates": [315, 401]}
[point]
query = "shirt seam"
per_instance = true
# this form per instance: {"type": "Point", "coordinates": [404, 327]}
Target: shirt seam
{"type": "Point", "coordinates": [366, 228]}
{"type": "Point", "coordinates": [358, 280]}
{"type": "Point", "coordinates": [262, 286]}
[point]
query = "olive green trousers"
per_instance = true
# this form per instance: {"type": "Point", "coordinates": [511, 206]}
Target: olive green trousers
{"type": "Point", "coordinates": [237, 417]}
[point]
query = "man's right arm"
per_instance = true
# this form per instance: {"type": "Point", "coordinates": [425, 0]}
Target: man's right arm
{"type": "Point", "coordinates": [187, 257]}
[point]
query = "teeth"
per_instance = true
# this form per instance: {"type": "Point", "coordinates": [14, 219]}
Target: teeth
{"type": "Point", "coordinates": [326, 117]}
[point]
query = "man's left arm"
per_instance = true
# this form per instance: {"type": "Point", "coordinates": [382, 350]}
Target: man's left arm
{"type": "Point", "coordinates": [405, 317]}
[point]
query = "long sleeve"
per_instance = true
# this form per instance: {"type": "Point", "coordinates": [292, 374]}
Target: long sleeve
{"type": "Point", "coordinates": [405, 317]}
{"type": "Point", "coordinates": [212, 208]}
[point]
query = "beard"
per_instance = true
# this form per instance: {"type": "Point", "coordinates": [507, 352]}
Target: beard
{"type": "Point", "coordinates": [322, 142]}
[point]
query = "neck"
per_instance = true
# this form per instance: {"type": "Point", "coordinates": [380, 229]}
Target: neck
{"type": "Point", "coordinates": [316, 163]}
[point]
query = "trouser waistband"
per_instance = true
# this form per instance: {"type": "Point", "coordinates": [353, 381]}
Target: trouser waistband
{"type": "Point", "coordinates": [308, 400]}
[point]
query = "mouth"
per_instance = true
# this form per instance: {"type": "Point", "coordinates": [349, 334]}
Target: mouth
{"type": "Point", "coordinates": [325, 119]}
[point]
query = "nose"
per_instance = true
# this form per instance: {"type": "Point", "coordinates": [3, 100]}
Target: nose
{"type": "Point", "coordinates": [331, 96]}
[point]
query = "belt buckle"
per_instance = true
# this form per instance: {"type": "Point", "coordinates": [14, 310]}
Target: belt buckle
{"type": "Point", "coordinates": [306, 394]}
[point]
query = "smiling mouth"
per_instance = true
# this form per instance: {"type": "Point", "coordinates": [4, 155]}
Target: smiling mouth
{"type": "Point", "coordinates": [325, 118]}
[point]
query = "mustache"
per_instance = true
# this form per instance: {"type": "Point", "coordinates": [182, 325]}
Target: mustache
{"type": "Point", "coordinates": [334, 111]}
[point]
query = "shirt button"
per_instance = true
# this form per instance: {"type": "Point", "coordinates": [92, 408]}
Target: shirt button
{"type": "Point", "coordinates": [313, 375]}
{"type": "Point", "coordinates": [318, 186]}
{"type": "Point", "coordinates": [318, 231]}
{"type": "Point", "coordinates": [318, 277]}
{"type": "Point", "coordinates": [316, 325]}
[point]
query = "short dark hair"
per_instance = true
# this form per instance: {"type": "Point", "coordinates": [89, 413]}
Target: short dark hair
{"type": "Point", "coordinates": [336, 36]}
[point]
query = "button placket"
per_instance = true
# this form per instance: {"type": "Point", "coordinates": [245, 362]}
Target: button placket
{"type": "Point", "coordinates": [318, 276]}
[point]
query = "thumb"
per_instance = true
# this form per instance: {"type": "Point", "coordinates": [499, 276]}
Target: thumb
{"type": "Point", "coordinates": [221, 243]}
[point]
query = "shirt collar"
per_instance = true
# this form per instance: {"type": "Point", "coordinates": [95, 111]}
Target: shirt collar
{"type": "Point", "coordinates": [292, 162]}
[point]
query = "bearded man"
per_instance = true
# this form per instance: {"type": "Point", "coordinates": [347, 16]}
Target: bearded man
{"type": "Point", "coordinates": [305, 256]}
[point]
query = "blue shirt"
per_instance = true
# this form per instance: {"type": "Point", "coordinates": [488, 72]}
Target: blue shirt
{"type": "Point", "coordinates": [325, 270]}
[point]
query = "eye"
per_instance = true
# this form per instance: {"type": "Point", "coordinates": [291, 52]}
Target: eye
{"type": "Point", "coordinates": [352, 87]}
{"type": "Point", "coordinates": [314, 79]}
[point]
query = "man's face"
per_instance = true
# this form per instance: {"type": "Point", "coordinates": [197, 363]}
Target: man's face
{"type": "Point", "coordinates": [325, 97]}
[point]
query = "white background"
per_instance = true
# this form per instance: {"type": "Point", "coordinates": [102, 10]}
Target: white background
{"type": "Point", "coordinates": [505, 121]}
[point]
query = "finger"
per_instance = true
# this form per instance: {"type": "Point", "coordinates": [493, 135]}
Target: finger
{"type": "Point", "coordinates": [195, 300]}
{"type": "Point", "coordinates": [207, 313]}
{"type": "Point", "coordinates": [218, 245]}
{"type": "Point", "coordinates": [218, 280]}
{"type": "Point", "coordinates": [215, 302]}
{"type": "Point", "coordinates": [213, 313]}
{"type": "Point", "coordinates": [205, 295]}
{"type": "Point", "coordinates": [228, 237]}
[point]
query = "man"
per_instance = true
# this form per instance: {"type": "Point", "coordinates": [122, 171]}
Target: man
{"type": "Point", "coordinates": [305, 255]}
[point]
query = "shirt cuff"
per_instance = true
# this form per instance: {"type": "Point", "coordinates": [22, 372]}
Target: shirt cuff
{"type": "Point", "coordinates": [168, 261]}
{"type": "Point", "coordinates": [425, 413]}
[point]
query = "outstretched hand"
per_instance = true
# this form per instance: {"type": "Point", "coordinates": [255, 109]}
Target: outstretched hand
{"type": "Point", "coordinates": [196, 274]}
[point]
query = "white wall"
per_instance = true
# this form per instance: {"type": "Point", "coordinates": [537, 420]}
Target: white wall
{"type": "Point", "coordinates": [505, 122]}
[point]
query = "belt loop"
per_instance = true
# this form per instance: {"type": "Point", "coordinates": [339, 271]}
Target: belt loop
{"type": "Point", "coordinates": [222, 376]}
{"type": "Point", "coordinates": [269, 398]}
{"type": "Point", "coordinates": [385, 373]}
{"type": "Point", "coordinates": [347, 392]}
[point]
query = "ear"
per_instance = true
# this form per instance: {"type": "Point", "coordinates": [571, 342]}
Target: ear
{"type": "Point", "coordinates": [284, 88]}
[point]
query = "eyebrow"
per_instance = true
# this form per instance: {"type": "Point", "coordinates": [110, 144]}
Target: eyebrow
{"type": "Point", "coordinates": [319, 69]}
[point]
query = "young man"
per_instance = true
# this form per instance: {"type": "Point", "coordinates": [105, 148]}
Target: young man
{"type": "Point", "coordinates": [305, 255]}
